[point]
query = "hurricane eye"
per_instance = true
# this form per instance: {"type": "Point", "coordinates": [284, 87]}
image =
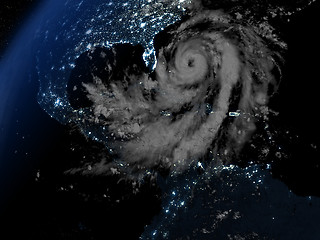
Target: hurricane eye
{"type": "Point", "coordinates": [191, 62]}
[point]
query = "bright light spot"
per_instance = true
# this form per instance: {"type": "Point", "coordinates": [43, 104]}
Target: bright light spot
{"type": "Point", "coordinates": [89, 46]}
{"type": "Point", "coordinates": [57, 102]}
{"type": "Point", "coordinates": [200, 164]}
{"type": "Point", "coordinates": [234, 114]}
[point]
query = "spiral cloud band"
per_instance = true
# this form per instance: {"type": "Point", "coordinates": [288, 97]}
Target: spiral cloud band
{"type": "Point", "coordinates": [214, 75]}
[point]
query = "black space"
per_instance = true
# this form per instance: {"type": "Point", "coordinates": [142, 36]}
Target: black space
{"type": "Point", "coordinates": [297, 103]}
{"type": "Point", "coordinates": [13, 13]}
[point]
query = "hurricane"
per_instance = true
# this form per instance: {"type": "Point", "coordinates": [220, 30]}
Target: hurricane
{"type": "Point", "coordinates": [211, 84]}
{"type": "Point", "coordinates": [170, 119]}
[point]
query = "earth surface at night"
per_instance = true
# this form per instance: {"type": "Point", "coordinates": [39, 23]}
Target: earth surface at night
{"type": "Point", "coordinates": [161, 120]}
